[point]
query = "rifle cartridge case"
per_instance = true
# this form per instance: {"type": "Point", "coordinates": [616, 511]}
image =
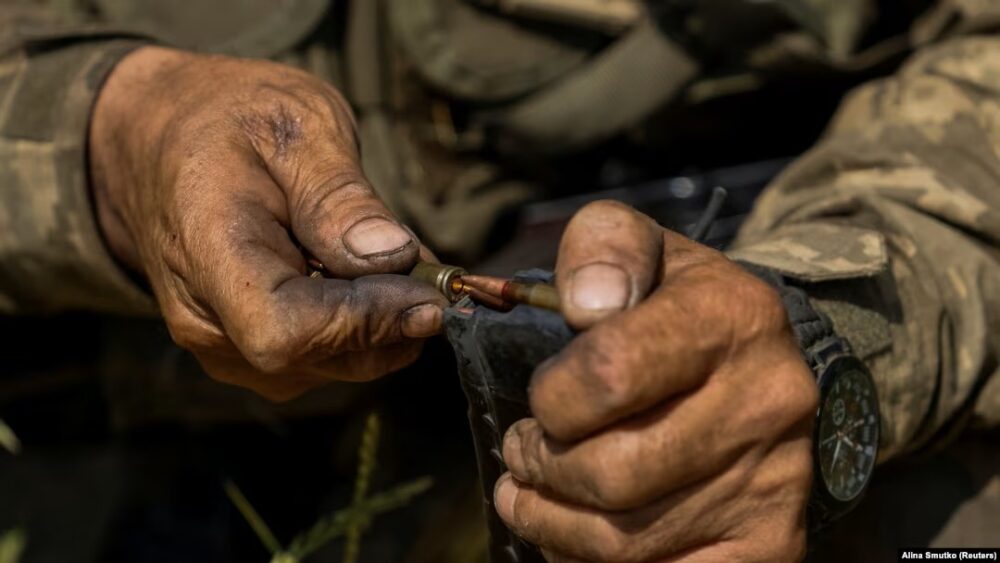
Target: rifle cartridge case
{"type": "Point", "coordinates": [489, 300]}
{"type": "Point", "coordinates": [442, 277]}
{"type": "Point", "coordinates": [540, 295]}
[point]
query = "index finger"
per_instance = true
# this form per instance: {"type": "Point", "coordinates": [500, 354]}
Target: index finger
{"type": "Point", "coordinates": [252, 277]}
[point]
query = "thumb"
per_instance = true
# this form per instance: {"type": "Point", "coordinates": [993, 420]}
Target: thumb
{"type": "Point", "coordinates": [609, 258]}
{"type": "Point", "coordinates": [334, 212]}
{"type": "Point", "coordinates": [343, 223]}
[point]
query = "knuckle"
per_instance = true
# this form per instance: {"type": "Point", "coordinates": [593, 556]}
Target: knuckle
{"type": "Point", "coordinates": [356, 325]}
{"type": "Point", "coordinates": [612, 488]}
{"type": "Point", "coordinates": [269, 351]}
{"type": "Point", "coordinates": [798, 393]}
{"type": "Point", "coordinates": [610, 477]}
{"type": "Point", "coordinates": [534, 454]}
{"type": "Point", "coordinates": [526, 515]}
{"type": "Point", "coordinates": [607, 206]}
{"type": "Point", "coordinates": [602, 384]}
{"type": "Point", "coordinates": [806, 399]}
{"type": "Point", "coordinates": [608, 214]}
{"type": "Point", "coordinates": [752, 309]}
{"type": "Point", "coordinates": [802, 478]}
{"type": "Point", "coordinates": [614, 383]}
{"type": "Point", "coordinates": [766, 303]}
{"type": "Point", "coordinates": [605, 395]}
{"type": "Point", "coordinates": [600, 370]}
{"type": "Point", "coordinates": [182, 332]}
{"type": "Point", "coordinates": [310, 96]}
{"type": "Point", "coordinates": [612, 545]}
{"type": "Point", "coordinates": [788, 544]}
{"type": "Point", "coordinates": [338, 108]}
{"type": "Point", "coordinates": [329, 190]}
{"type": "Point", "coordinates": [185, 336]}
{"type": "Point", "coordinates": [185, 331]}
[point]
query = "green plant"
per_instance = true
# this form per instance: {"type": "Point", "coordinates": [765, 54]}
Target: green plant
{"type": "Point", "coordinates": [8, 440]}
{"type": "Point", "coordinates": [350, 522]}
{"type": "Point", "coordinates": [12, 544]}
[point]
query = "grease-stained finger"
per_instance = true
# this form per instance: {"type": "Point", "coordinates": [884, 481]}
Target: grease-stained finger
{"type": "Point", "coordinates": [667, 447]}
{"type": "Point", "coordinates": [278, 318]}
{"type": "Point", "coordinates": [609, 258]}
{"type": "Point", "coordinates": [333, 209]}
{"type": "Point", "coordinates": [666, 526]}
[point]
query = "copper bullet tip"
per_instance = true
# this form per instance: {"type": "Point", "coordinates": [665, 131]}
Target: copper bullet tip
{"type": "Point", "coordinates": [486, 284]}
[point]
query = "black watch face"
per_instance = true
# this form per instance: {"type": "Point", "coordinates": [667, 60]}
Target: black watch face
{"type": "Point", "coordinates": [848, 432]}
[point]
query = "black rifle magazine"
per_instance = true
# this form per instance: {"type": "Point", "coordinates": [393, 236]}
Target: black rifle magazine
{"type": "Point", "coordinates": [497, 352]}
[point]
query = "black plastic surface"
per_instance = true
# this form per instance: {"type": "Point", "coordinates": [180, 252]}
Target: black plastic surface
{"type": "Point", "coordinates": [497, 353]}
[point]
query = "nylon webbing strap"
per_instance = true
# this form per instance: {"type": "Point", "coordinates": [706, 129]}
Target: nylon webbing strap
{"type": "Point", "coordinates": [626, 82]}
{"type": "Point", "coordinates": [813, 330]}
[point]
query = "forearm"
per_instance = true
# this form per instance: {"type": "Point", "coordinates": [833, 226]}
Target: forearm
{"type": "Point", "coordinates": [892, 223]}
{"type": "Point", "coordinates": [52, 255]}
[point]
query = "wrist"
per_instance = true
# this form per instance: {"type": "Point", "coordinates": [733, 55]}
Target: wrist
{"type": "Point", "coordinates": [127, 116]}
{"type": "Point", "coordinates": [847, 427]}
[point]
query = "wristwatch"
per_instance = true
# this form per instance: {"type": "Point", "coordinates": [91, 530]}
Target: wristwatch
{"type": "Point", "coordinates": [846, 433]}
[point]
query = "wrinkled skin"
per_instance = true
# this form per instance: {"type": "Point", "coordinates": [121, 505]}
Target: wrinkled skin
{"type": "Point", "coordinates": [213, 179]}
{"type": "Point", "coordinates": [677, 427]}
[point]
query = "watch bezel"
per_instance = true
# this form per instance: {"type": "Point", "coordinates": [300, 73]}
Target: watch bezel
{"type": "Point", "coordinates": [831, 505]}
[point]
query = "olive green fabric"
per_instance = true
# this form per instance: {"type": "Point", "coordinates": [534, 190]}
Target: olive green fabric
{"type": "Point", "coordinates": [52, 255]}
{"type": "Point", "coordinates": [477, 55]}
{"type": "Point", "coordinates": [628, 81]}
{"type": "Point", "coordinates": [248, 28]}
{"type": "Point", "coordinates": [903, 194]}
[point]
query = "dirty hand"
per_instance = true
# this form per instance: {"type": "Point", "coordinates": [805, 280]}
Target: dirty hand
{"type": "Point", "coordinates": [677, 426]}
{"type": "Point", "coordinates": [213, 177]}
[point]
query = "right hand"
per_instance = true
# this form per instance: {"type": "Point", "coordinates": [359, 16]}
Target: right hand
{"type": "Point", "coordinates": [212, 177]}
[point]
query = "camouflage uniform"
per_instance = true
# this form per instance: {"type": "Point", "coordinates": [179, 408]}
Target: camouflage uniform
{"type": "Point", "coordinates": [891, 222]}
{"type": "Point", "coordinates": [894, 218]}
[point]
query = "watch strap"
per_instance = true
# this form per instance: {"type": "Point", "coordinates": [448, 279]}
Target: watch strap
{"type": "Point", "coordinates": [817, 338]}
{"type": "Point", "coordinates": [820, 346]}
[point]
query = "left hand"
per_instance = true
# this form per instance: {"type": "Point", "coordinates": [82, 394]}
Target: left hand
{"type": "Point", "coordinates": [214, 178]}
{"type": "Point", "coordinates": [677, 426]}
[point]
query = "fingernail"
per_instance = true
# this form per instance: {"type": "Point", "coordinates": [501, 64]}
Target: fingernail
{"type": "Point", "coordinates": [421, 321]}
{"type": "Point", "coordinates": [600, 287]}
{"type": "Point", "coordinates": [504, 497]}
{"type": "Point", "coordinates": [512, 455]}
{"type": "Point", "coordinates": [376, 237]}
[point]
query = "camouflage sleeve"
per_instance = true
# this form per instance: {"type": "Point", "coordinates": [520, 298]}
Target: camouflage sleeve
{"type": "Point", "coordinates": [892, 224]}
{"type": "Point", "coordinates": [52, 255]}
